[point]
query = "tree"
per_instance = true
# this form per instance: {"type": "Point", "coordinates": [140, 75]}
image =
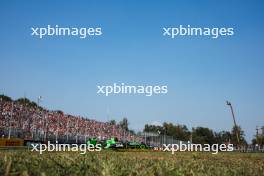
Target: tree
{"type": "Point", "coordinates": [153, 129]}
{"type": "Point", "coordinates": [27, 102]}
{"type": "Point", "coordinates": [241, 135]}
{"type": "Point", "coordinates": [5, 98]}
{"type": "Point", "coordinates": [201, 135]}
{"type": "Point", "coordinates": [258, 140]}
{"type": "Point", "coordinates": [124, 124]}
{"type": "Point", "coordinates": [24, 101]}
{"type": "Point", "coordinates": [179, 132]}
{"type": "Point", "coordinates": [112, 122]}
{"type": "Point", "coordinates": [223, 137]}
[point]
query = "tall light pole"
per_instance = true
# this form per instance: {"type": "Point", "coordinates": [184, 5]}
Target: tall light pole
{"type": "Point", "coordinates": [233, 115]}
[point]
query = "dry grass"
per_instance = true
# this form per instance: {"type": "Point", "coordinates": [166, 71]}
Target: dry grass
{"type": "Point", "coordinates": [130, 163]}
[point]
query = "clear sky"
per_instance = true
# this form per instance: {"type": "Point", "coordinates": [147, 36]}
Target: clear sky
{"type": "Point", "coordinates": [201, 73]}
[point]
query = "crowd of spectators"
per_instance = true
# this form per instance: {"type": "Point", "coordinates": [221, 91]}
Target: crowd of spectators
{"type": "Point", "coordinates": [24, 120]}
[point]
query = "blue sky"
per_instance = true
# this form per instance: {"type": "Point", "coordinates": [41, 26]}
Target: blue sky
{"type": "Point", "coordinates": [201, 73]}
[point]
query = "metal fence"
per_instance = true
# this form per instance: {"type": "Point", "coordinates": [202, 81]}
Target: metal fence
{"type": "Point", "coordinates": [157, 140]}
{"type": "Point", "coordinates": [38, 135]}
{"type": "Point", "coordinates": [151, 139]}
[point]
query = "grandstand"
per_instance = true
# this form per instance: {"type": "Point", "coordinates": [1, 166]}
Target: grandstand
{"type": "Point", "coordinates": [26, 120]}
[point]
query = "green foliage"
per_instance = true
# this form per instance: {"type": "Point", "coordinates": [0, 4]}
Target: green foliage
{"type": "Point", "coordinates": [223, 136]}
{"type": "Point", "coordinates": [5, 98]}
{"type": "Point", "coordinates": [124, 124]}
{"type": "Point", "coordinates": [258, 140]}
{"type": "Point", "coordinates": [241, 135]}
{"type": "Point", "coordinates": [112, 122]}
{"type": "Point", "coordinates": [179, 132]}
{"type": "Point", "coordinates": [201, 135]}
{"type": "Point", "coordinates": [154, 129]}
{"type": "Point", "coordinates": [26, 102]}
